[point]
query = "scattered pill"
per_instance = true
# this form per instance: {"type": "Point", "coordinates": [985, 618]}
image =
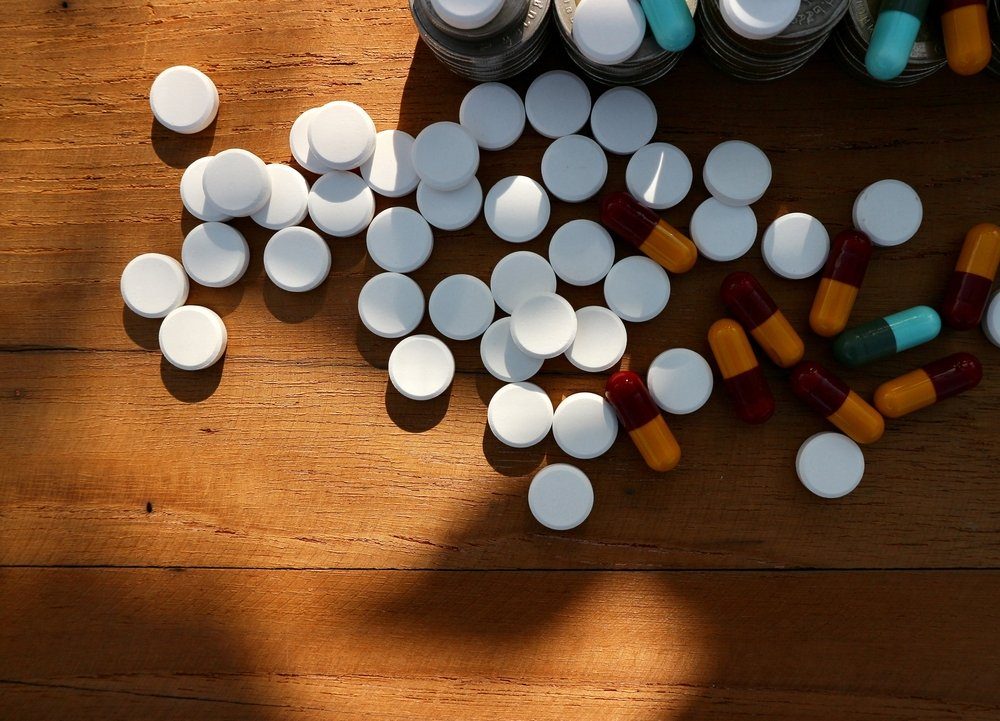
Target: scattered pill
{"type": "Point", "coordinates": [302, 150]}
{"type": "Point", "coordinates": [760, 316]}
{"type": "Point", "coordinates": [723, 232]}
{"type": "Point", "coordinates": [557, 103]}
{"type": "Point", "coordinates": [966, 28]}
{"type": "Point", "coordinates": [741, 373]}
{"type": "Point", "coordinates": [493, 113]}
{"type": "Point", "coordinates": [399, 240]}
{"type": "Point", "coordinates": [517, 209]}
{"type": "Point", "coordinates": [606, 32]}
{"type": "Point", "coordinates": [623, 119]}
{"type": "Point", "coordinates": [759, 19]}
{"type": "Point", "coordinates": [193, 193]}
{"type": "Point", "coordinates": [520, 415]}
{"type": "Point", "coordinates": [421, 367]}
{"type": "Point", "coordinates": [680, 381]}
{"type": "Point", "coordinates": [445, 156]}
{"type": "Point", "coordinates": [887, 336]}
{"type": "Point", "coordinates": [737, 173]}
{"type": "Point", "coordinates": [830, 464]}
{"type": "Point", "coordinates": [342, 134]}
{"type": "Point", "coordinates": [584, 425]}
{"type": "Point", "coordinates": [642, 228]}
{"type": "Point", "coordinates": [574, 168]}
{"type": "Point", "coordinates": [297, 259]}
{"type": "Point", "coordinates": [236, 182]}
{"type": "Point", "coordinates": [467, 14]}
{"type": "Point", "coordinates": [934, 382]}
{"type": "Point", "coordinates": [838, 289]}
{"type": "Point", "coordinates": [659, 175]}
{"type": "Point", "coordinates": [560, 497]}
{"type": "Point", "coordinates": [581, 252]}
{"type": "Point", "coordinates": [795, 246]}
{"type": "Point", "coordinates": [192, 338]}
{"type": "Point", "coordinates": [450, 209]}
{"type": "Point", "coordinates": [969, 287]}
{"type": "Point", "coordinates": [501, 356]}
{"type": "Point", "coordinates": [892, 39]}
{"type": "Point", "coordinates": [637, 289]}
{"type": "Point", "coordinates": [991, 321]}
{"type": "Point", "coordinates": [544, 325]}
{"type": "Point", "coordinates": [829, 396]}
{"type": "Point", "coordinates": [461, 307]}
{"type": "Point", "coordinates": [672, 23]}
{"type": "Point", "coordinates": [391, 305]}
{"type": "Point", "coordinates": [889, 212]}
{"type": "Point", "coordinates": [341, 204]}
{"type": "Point", "coordinates": [215, 255]}
{"type": "Point", "coordinates": [643, 421]}
{"type": "Point", "coordinates": [154, 284]}
{"type": "Point", "coordinates": [389, 171]}
{"type": "Point", "coordinates": [184, 99]}
{"type": "Point", "coordinates": [288, 202]}
{"type": "Point", "coordinates": [520, 276]}
{"type": "Point", "coordinates": [600, 340]}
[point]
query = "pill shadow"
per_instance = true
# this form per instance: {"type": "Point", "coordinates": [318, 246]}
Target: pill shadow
{"type": "Point", "coordinates": [178, 150]}
{"type": "Point", "coordinates": [415, 416]}
{"type": "Point", "coordinates": [191, 386]}
{"type": "Point", "coordinates": [144, 332]}
{"type": "Point", "coordinates": [291, 307]}
{"type": "Point", "coordinates": [374, 349]}
{"type": "Point", "coordinates": [512, 462]}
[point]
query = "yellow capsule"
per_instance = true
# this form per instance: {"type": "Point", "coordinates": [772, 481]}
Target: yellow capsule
{"type": "Point", "coordinates": [966, 28]}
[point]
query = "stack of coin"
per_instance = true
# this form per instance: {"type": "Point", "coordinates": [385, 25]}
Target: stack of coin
{"type": "Point", "coordinates": [505, 46]}
{"type": "Point", "coordinates": [994, 66]}
{"type": "Point", "coordinates": [854, 34]}
{"type": "Point", "coordinates": [650, 62]}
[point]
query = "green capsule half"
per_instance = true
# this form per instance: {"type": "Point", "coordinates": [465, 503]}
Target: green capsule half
{"type": "Point", "coordinates": [883, 337]}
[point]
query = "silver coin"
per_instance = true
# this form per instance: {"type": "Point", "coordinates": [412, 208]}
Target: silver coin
{"type": "Point", "coordinates": [511, 12]}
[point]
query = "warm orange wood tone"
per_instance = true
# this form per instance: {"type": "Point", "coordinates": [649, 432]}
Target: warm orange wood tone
{"type": "Point", "coordinates": [390, 567]}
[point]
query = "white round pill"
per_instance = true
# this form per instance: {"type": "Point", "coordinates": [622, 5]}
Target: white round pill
{"type": "Point", "coordinates": [659, 175]}
{"type": "Point", "coordinates": [830, 465]}
{"type": "Point", "coordinates": [606, 32]}
{"type": "Point", "coordinates": [342, 134]}
{"type": "Point", "coordinates": [389, 171]}
{"type": "Point", "coordinates": [560, 497]}
{"type": "Point", "coordinates": [297, 259]}
{"type": "Point", "coordinates": [193, 338]}
{"type": "Point", "coordinates": [391, 305]}
{"type": "Point", "coordinates": [450, 209]}
{"type": "Point", "coordinates": [154, 284]}
{"type": "Point", "coordinates": [585, 425]}
{"type": "Point", "coordinates": [467, 14]}
{"type": "Point", "coordinates": [637, 289]}
{"type": "Point", "coordinates": [501, 356]}
{"type": "Point", "coordinates": [421, 367]}
{"type": "Point", "coordinates": [493, 113]}
{"type": "Point", "coordinates": [680, 381]}
{"type": "Point", "coordinates": [557, 103]}
{"type": "Point", "coordinates": [236, 182]}
{"type": "Point", "coordinates": [574, 168]}
{"type": "Point", "coordinates": [519, 276]}
{"type": "Point", "coordinates": [520, 415]}
{"type": "Point", "coordinates": [445, 156]}
{"type": "Point", "coordinates": [723, 232]}
{"type": "Point", "coordinates": [623, 120]}
{"type": "Point", "coordinates": [581, 252]}
{"type": "Point", "coordinates": [759, 19]}
{"type": "Point", "coordinates": [517, 209]}
{"type": "Point", "coordinates": [889, 212]}
{"type": "Point", "coordinates": [795, 246]}
{"type": "Point", "coordinates": [215, 255]}
{"type": "Point", "coordinates": [399, 240]}
{"type": "Point", "coordinates": [341, 204]}
{"type": "Point", "coordinates": [288, 202]}
{"type": "Point", "coordinates": [737, 173]}
{"type": "Point", "coordinates": [193, 193]}
{"type": "Point", "coordinates": [302, 150]}
{"type": "Point", "coordinates": [184, 99]}
{"type": "Point", "coordinates": [461, 307]}
{"type": "Point", "coordinates": [600, 340]}
{"type": "Point", "coordinates": [544, 325]}
{"type": "Point", "coordinates": [991, 321]}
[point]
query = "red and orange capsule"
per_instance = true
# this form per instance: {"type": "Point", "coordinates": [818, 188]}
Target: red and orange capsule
{"type": "Point", "coordinates": [969, 288]}
{"type": "Point", "coordinates": [747, 300]}
{"type": "Point", "coordinates": [643, 420]}
{"type": "Point", "coordinates": [943, 378]}
{"type": "Point", "coordinates": [845, 268]}
{"type": "Point", "coordinates": [636, 224]}
{"type": "Point", "coordinates": [741, 372]}
{"type": "Point", "coordinates": [829, 396]}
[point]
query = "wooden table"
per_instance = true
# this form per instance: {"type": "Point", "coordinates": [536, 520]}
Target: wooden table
{"type": "Point", "coordinates": [284, 537]}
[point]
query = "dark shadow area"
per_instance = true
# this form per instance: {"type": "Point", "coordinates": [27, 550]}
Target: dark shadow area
{"type": "Point", "coordinates": [222, 300]}
{"type": "Point", "coordinates": [374, 349]}
{"type": "Point", "coordinates": [191, 386]}
{"type": "Point", "coordinates": [144, 332]}
{"type": "Point", "coordinates": [178, 150]}
{"type": "Point", "coordinates": [415, 416]}
{"type": "Point", "coordinates": [291, 307]}
{"type": "Point", "coordinates": [513, 462]}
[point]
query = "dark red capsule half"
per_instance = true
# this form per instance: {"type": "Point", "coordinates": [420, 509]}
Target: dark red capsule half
{"type": "Point", "coordinates": [630, 398]}
{"type": "Point", "coordinates": [850, 254]}
{"type": "Point", "coordinates": [747, 300]}
{"type": "Point", "coordinates": [965, 300]}
{"type": "Point", "coordinates": [955, 374]}
{"type": "Point", "coordinates": [751, 396]}
{"type": "Point", "coordinates": [623, 215]}
{"type": "Point", "coordinates": [824, 392]}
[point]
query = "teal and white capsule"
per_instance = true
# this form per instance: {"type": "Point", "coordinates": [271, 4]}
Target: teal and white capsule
{"type": "Point", "coordinates": [892, 41]}
{"type": "Point", "coordinates": [886, 336]}
{"type": "Point", "coordinates": [671, 23]}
